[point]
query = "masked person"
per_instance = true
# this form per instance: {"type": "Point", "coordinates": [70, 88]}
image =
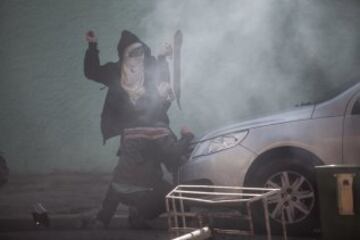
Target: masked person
{"type": "Point", "coordinates": [135, 107]}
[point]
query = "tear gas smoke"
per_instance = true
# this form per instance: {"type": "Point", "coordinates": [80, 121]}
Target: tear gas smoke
{"type": "Point", "coordinates": [247, 58]}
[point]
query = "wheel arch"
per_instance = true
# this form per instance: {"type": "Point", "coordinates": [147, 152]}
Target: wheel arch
{"type": "Point", "coordinates": [304, 158]}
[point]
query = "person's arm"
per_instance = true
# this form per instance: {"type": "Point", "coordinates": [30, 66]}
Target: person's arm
{"type": "Point", "coordinates": [173, 149]}
{"type": "Point", "coordinates": [163, 75]}
{"type": "Point", "coordinates": [92, 68]}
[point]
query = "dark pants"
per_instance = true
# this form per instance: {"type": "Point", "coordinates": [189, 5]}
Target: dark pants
{"type": "Point", "coordinates": [140, 166]}
{"type": "Point", "coordinates": [150, 204]}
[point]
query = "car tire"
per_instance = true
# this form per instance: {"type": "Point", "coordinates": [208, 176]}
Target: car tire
{"type": "Point", "coordinates": [4, 171]}
{"type": "Point", "coordinates": [297, 197]}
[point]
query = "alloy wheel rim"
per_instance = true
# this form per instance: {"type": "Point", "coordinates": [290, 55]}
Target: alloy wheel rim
{"type": "Point", "coordinates": [296, 198]}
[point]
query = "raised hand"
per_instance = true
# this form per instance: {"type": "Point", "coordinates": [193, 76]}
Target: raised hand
{"type": "Point", "coordinates": [186, 131]}
{"type": "Point", "coordinates": [90, 37]}
{"type": "Point", "coordinates": [166, 50]}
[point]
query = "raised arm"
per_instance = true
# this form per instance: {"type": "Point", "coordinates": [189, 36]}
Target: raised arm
{"type": "Point", "coordinates": [92, 68]}
{"type": "Point", "coordinates": [163, 77]}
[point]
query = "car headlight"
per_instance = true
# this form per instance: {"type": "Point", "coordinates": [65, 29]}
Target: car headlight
{"type": "Point", "coordinates": [219, 143]}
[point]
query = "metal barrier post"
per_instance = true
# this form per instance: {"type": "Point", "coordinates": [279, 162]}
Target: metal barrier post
{"type": "Point", "coordinates": [267, 222]}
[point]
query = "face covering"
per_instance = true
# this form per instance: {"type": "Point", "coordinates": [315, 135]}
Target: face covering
{"type": "Point", "coordinates": [132, 71]}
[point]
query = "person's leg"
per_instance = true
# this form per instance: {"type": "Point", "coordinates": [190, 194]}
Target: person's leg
{"type": "Point", "coordinates": [151, 204]}
{"type": "Point", "coordinates": [112, 198]}
{"type": "Point", "coordinates": [130, 156]}
{"type": "Point", "coordinates": [147, 205]}
{"type": "Point", "coordinates": [109, 206]}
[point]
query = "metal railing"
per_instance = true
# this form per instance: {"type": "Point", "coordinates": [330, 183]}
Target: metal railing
{"type": "Point", "coordinates": [192, 208]}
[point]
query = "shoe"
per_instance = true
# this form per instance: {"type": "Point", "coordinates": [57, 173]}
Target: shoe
{"type": "Point", "coordinates": [136, 220]}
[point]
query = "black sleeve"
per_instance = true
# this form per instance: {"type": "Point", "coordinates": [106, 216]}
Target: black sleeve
{"type": "Point", "coordinates": [92, 68]}
{"type": "Point", "coordinates": [173, 149]}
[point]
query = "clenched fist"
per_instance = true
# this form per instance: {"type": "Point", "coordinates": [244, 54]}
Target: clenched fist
{"type": "Point", "coordinates": [90, 37]}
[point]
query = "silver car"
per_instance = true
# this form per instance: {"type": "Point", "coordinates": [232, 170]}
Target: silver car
{"type": "Point", "coordinates": [281, 151]}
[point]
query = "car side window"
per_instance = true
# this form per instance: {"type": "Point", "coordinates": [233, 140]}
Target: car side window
{"type": "Point", "coordinates": [356, 108]}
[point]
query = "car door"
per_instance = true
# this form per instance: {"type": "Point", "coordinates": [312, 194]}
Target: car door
{"type": "Point", "coordinates": [351, 137]}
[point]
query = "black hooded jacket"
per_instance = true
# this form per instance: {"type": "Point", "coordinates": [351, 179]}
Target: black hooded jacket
{"type": "Point", "coordinates": [118, 111]}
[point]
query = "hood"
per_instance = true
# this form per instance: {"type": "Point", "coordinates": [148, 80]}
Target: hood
{"type": "Point", "coordinates": [295, 115]}
{"type": "Point", "coordinates": [127, 38]}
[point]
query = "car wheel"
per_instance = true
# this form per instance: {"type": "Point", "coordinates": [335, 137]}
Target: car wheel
{"type": "Point", "coordinates": [297, 200]}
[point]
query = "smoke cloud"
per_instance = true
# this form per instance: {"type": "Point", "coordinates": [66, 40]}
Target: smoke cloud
{"type": "Point", "coordinates": [247, 58]}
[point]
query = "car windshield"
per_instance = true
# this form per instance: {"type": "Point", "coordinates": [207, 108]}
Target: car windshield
{"type": "Point", "coordinates": [330, 92]}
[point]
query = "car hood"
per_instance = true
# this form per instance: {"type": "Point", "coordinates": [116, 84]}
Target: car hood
{"type": "Point", "coordinates": [300, 113]}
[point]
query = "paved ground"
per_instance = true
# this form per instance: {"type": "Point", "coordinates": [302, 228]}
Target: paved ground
{"type": "Point", "coordinates": [69, 198]}
{"type": "Point", "coordinates": [60, 193]}
{"type": "Point", "coordinates": [88, 235]}
{"type": "Point", "coordinates": [108, 235]}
